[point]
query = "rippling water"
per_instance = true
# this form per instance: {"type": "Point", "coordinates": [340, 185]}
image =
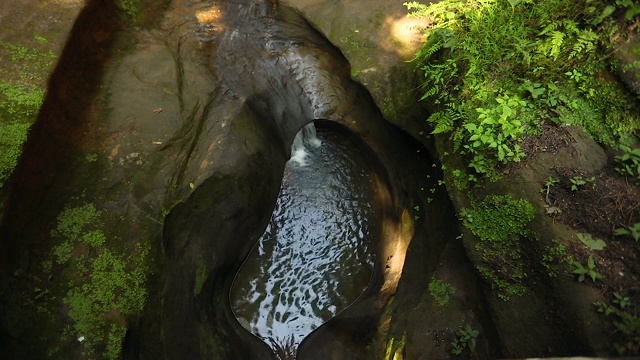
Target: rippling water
{"type": "Point", "coordinates": [314, 258]}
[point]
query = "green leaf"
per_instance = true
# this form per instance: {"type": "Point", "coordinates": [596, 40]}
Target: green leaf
{"type": "Point", "coordinates": [607, 11]}
{"type": "Point", "coordinates": [514, 3]}
{"type": "Point", "coordinates": [632, 12]}
{"type": "Point", "coordinates": [591, 243]}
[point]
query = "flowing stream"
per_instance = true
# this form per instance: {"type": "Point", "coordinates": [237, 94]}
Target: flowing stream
{"type": "Point", "coordinates": [315, 257]}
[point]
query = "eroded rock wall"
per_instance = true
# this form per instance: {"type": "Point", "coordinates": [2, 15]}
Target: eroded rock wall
{"type": "Point", "coordinates": [173, 135]}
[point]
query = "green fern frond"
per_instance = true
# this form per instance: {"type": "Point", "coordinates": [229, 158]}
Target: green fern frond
{"type": "Point", "coordinates": [550, 28]}
{"type": "Point", "coordinates": [432, 91]}
{"type": "Point", "coordinates": [428, 50]}
{"type": "Point", "coordinates": [570, 27]}
{"type": "Point", "coordinates": [557, 39]}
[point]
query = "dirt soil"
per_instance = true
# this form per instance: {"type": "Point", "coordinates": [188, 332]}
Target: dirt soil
{"type": "Point", "coordinates": [598, 208]}
{"type": "Point", "coordinates": [606, 201]}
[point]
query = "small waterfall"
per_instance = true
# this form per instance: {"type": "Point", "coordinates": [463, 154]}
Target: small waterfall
{"type": "Point", "coordinates": [305, 137]}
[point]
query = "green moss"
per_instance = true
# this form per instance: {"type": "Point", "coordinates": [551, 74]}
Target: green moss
{"type": "Point", "coordinates": [105, 287]}
{"type": "Point", "coordinates": [12, 136]}
{"type": "Point", "coordinates": [73, 222]}
{"type": "Point", "coordinates": [20, 102]}
{"type": "Point", "coordinates": [440, 291]}
{"type": "Point", "coordinates": [499, 222]}
{"type": "Point", "coordinates": [130, 7]}
{"type": "Point", "coordinates": [92, 157]}
{"type": "Point", "coordinates": [26, 66]}
{"type": "Point", "coordinates": [114, 345]}
{"type": "Point", "coordinates": [354, 43]}
{"type": "Point", "coordinates": [554, 257]}
{"type": "Point", "coordinates": [22, 80]}
{"type": "Point", "coordinates": [201, 277]}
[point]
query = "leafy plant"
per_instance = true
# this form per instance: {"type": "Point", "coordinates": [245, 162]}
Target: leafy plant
{"type": "Point", "coordinates": [582, 272]}
{"type": "Point", "coordinates": [467, 339]}
{"type": "Point", "coordinates": [632, 8]}
{"type": "Point", "coordinates": [493, 71]}
{"type": "Point", "coordinates": [632, 230]}
{"type": "Point", "coordinates": [440, 291]}
{"type": "Point", "coordinates": [621, 301]}
{"type": "Point", "coordinates": [498, 127]}
{"type": "Point", "coordinates": [629, 162]}
{"type": "Point", "coordinates": [578, 181]}
{"type": "Point", "coordinates": [590, 242]}
{"type": "Point", "coordinates": [550, 182]}
{"type": "Point", "coordinates": [625, 320]}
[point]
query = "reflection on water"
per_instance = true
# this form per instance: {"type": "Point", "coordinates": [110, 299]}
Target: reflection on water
{"type": "Point", "coordinates": [313, 259]}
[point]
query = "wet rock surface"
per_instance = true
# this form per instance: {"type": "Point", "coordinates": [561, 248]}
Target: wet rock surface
{"type": "Point", "coordinates": [177, 129]}
{"type": "Point", "coordinates": [177, 134]}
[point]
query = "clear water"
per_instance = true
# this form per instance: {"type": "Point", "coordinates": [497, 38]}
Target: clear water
{"type": "Point", "coordinates": [314, 258]}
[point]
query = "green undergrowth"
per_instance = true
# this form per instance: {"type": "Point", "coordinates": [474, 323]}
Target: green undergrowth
{"type": "Point", "coordinates": [441, 291]}
{"type": "Point", "coordinates": [22, 82]}
{"type": "Point", "coordinates": [554, 257]}
{"type": "Point", "coordinates": [496, 70]}
{"type": "Point", "coordinates": [106, 283]}
{"type": "Point", "coordinates": [624, 316]}
{"type": "Point", "coordinates": [130, 7]}
{"type": "Point", "coordinates": [500, 223]}
{"type": "Point", "coordinates": [12, 136]}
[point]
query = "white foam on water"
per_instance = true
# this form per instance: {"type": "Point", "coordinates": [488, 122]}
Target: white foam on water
{"type": "Point", "coordinates": [307, 136]}
{"type": "Point", "coordinates": [299, 157]}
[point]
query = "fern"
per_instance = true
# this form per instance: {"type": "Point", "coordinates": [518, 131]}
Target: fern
{"type": "Point", "coordinates": [557, 38]}
{"type": "Point", "coordinates": [434, 89]}
{"type": "Point", "coordinates": [561, 33]}
{"type": "Point", "coordinates": [585, 43]}
{"type": "Point", "coordinates": [428, 50]}
{"type": "Point", "coordinates": [550, 27]}
{"type": "Point", "coordinates": [570, 27]}
{"type": "Point", "coordinates": [440, 122]}
{"type": "Point", "coordinates": [443, 121]}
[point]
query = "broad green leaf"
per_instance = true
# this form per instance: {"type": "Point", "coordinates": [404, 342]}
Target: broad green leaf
{"type": "Point", "coordinates": [607, 11]}
{"type": "Point", "coordinates": [591, 243]}
{"type": "Point", "coordinates": [514, 3]}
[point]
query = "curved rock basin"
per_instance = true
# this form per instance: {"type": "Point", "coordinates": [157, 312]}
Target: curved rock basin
{"type": "Point", "coordinates": [315, 257]}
